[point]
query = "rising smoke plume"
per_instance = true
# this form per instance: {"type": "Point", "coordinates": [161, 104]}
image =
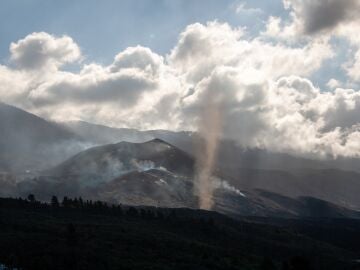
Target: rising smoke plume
{"type": "Point", "coordinates": [209, 128]}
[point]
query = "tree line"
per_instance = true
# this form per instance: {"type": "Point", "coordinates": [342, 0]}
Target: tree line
{"type": "Point", "coordinates": [90, 206]}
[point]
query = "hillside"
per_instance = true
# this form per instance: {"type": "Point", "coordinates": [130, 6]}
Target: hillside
{"type": "Point", "coordinates": [230, 155]}
{"type": "Point", "coordinates": [334, 185]}
{"type": "Point", "coordinates": [116, 159]}
{"type": "Point", "coordinates": [159, 172]}
{"type": "Point", "coordinates": [333, 180]}
{"type": "Point", "coordinates": [28, 142]}
{"type": "Point", "coordinates": [156, 173]}
{"type": "Point", "coordinates": [93, 236]}
{"type": "Point", "coordinates": [100, 134]}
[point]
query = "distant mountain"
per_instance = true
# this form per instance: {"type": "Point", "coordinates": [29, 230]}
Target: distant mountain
{"type": "Point", "coordinates": [28, 142]}
{"type": "Point", "coordinates": [157, 173]}
{"type": "Point", "coordinates": [100, 134]}
{"type": "Point", "coordinates": [149, 173]}
{"type": "Point", "coordinates": [161, 188]}
{"type": "Point", "coordinates": [160, 172]}
{"type": "Point", "coordinates": [333, 185]}
{"type": "Point", "coordinates": [164, 189]}
{"type": "Point", "coordinates": [230, 155]}
{"type": "Point", "coordinates": [112, 160]}
{"type": "Point", "coordinates": [336, 181]}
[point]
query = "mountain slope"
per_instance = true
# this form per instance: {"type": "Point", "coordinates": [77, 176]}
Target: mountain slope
{"type": "Point", "coordinates": [112, 160]}
{"type": "Point", "coordinates": [100, 134]}
{"type": "Point", "coordinates": [333, 185]}
{"type": "Point", "coordinates": [29, 142]}
{"type": "Point", "coordinates": [157, 173]}
{"type": "Point", "coordinates": [160, 172]}
{"type": "Point", "coordinates": [230, 154]}
{"type": "Point", "coordinates": [164, 189]}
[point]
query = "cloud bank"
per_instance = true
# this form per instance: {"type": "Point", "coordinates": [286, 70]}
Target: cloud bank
{"type": "Point", "coordinates": [261, 86]}
{"type": "Point", "coordinates": [41, 51]}
{"type": "Point", "coordinates": [326, 19]}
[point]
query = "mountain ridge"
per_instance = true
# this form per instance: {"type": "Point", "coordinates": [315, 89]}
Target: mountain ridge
{"type": "Point", "coordinates": [110, 169]}
{"type": "Point", "coordinates": [29, 142]}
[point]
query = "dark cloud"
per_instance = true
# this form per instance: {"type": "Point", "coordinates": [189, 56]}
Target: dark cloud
{"type": "Point", "coordinates": [320, 15]}
{"type": "Point", "coordinates": [328, 14]}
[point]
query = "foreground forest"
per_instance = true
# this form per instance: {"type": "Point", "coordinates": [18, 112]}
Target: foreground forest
{"type": "Point", "coordinates": [77, 234]}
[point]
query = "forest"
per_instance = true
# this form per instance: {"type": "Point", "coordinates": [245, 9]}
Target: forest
{"type": "Point", "coordinates": [72, 233]}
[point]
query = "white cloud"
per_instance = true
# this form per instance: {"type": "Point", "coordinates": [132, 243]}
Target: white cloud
{"type": "Point", "coordinates": [263, 105]}
{"type": "Point", "coordinates": [39, 51]}
{"type": "Point", "coordinates": [288, 115]}
{"type": "Point", "coordinates": [353, 66]}
{"type": "Point", "coordinates": [333, 83]}
{"type": "Point", "coordinates": [133, 72]}
{"type": "Point", "coordinates": [139, 58]}
{"type": "Point", "coordinates": [13, 85]}
{"type": "Point", "coordinates": [258, 86]}
{"type": "Point", "coordinates": [321, 19]}
{"type": "Point", "coordinates": [202, 48]}
{"type": "Point", "coordinates": [241, 8]}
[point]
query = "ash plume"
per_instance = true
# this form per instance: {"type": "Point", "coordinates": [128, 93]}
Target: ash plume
{"type": "Point", "coordinates": [209, 128]}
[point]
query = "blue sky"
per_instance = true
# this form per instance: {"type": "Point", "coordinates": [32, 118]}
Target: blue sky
{"type": "Point", "coordinates": [102, 30]}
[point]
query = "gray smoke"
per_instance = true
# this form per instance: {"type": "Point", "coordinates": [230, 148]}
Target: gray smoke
{"type": "Point", "coordinates": [223, 184]}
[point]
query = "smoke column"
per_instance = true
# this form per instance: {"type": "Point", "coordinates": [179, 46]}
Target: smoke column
{"type": "Point", "coordinates": [209, 128]}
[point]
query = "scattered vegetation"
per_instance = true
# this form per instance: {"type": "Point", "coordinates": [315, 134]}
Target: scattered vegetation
{"type": "Point", "coordinates": [72, 233]}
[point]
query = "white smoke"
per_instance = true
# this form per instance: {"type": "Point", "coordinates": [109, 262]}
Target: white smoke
{"type": "Point", "coordinates": [114, 167]}
{"type": "Point", "coordinates": [142, 165]}
{"type": "Point", "coordinates": [223, 184]}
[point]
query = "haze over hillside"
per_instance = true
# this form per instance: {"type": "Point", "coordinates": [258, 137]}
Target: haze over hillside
{"type": "Point", "coordinates": [160, 172]}
{"type": "Point", "coordinates": [230, 154]}
{"type": "Point", "coordinates": [28, 142]}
